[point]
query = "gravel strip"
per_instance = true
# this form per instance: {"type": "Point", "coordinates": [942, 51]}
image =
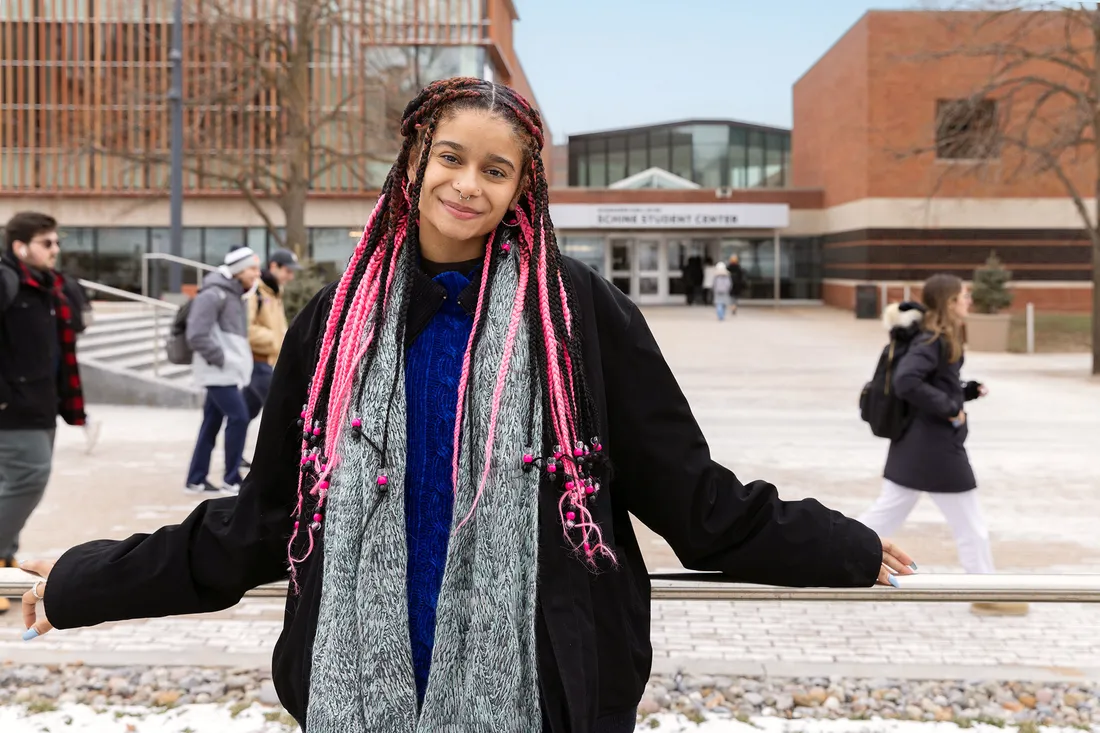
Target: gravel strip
{"type": "Point", "coordinates": [694, 696]}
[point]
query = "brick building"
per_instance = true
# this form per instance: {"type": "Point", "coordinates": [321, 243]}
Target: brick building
{"type": "Point", "coordinates": [902, 198]}
{"type": "Point", "coordinates": [85, 123]}
{"type": "Point", "coordinates": [864, 189]}
{"type": "Point", "coordinates": [894, 174]}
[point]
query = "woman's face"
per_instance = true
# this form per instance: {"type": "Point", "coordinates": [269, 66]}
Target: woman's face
{"type": "Point", "coordinates": [472, 179]}
{"type": "Point", "coordinates": [962, 302]}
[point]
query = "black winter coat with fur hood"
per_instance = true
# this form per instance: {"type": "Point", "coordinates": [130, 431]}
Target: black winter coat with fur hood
{"type": "Point", "coordinates": [930, 455]}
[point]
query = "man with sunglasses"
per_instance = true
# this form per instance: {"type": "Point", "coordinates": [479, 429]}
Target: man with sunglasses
{"type": "Point", "coordinates": [39, 377]}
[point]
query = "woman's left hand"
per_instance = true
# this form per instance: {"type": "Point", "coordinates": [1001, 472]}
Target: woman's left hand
{"type": "Point", "coordinates": [895, 561]}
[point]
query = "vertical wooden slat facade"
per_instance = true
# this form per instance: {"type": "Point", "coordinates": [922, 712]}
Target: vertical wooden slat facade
{"type": "Point", "coordinates": [84, 86]}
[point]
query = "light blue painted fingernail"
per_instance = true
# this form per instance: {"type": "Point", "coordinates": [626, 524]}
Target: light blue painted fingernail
{"type": "Point", "coordinates": [30, 633]}
{"type": "Point", "coordinates": [893, 580]}
{"type": "Point", "coordinates": [914, 566]}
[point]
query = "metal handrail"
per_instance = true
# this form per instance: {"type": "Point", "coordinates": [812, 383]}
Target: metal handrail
{"type": "Point", "coordinates": [127, 295]}
{"type": "Point", "coordinates": [144, 300]}
{"type": "Point", "coordinates": [925, 588]}
{"type": "Point", "coordinates": [200, 267]}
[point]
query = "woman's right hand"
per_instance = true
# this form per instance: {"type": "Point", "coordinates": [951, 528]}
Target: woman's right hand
{"type": "Point", "coordinates": [960, 419]}
{"type": "Point", "coordinates": [36, 623]}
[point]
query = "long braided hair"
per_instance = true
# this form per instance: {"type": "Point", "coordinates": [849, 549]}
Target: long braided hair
{"type": "Point", "coordinates": [545, 302]}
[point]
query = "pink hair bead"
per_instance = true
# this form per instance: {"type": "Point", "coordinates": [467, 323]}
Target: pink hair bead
{"type": "Point", "coordinates": [570, 516]}
{"type": "Point", "coordinates": [528, 458]}
{"type": "Point", "coordinates": [569, 485]}
{"type": "Point", "coordinates": [317, 517]}
{"type": "Point", "coordinates": [590, 490]}
{"type": "Point", "coordinates": [323, 485]}
{"type": "Point", "coordinates": [552, 468]}
{"type": "Point", "coordinates": [382, 480]}
{"type": "Point", "coordinates": [357, 423]}
{"type": "Point", "coordinates": [316, 431]}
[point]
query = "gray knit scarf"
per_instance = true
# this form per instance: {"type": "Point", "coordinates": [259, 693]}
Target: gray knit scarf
{"type": "Point", "coordinates": [483, 676]}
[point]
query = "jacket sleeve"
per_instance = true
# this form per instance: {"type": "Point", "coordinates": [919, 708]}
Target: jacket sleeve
{"type": "Point", "coordinates": [911, 380]}
{"type": "Point", "coordinates": [224, 548]}
{"type": "Point", "coordinates": [260, 337]}
{"type": "Point", "coordinates": [9, 286]}
{"type": "Point", "coordinates": [205, 310]}
{"type": "Point", "coordinates": [663, 470]}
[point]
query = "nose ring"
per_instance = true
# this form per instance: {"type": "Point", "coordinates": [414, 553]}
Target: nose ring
{"type": "Point", "coordinates": [464, 198]}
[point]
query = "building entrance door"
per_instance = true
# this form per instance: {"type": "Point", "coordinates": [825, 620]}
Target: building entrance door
{"type": "Point", "coordinates": [638, 268]}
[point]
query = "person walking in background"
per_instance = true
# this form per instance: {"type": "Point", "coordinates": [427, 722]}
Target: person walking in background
{"type": "Point", "coordinates": [737, 281]}
{"type": "Point", "coordinates": [39, 376]}
{"type": "Point", "coordinates": [267, 326]}
{"type": "Point", "coordinates": [929, 457]}
{"type": "Point", "coordinates": [693, 279]}
{"type": "Point", "coordinates": [721, 289]}
{"type": "Point", "coordinates": [217, 331]}
{"type": "Point", "coordinates": [709, 273]}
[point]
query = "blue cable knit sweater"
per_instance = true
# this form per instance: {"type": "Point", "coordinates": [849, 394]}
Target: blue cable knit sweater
{"type": "Point", "coordinates": [432, 371]}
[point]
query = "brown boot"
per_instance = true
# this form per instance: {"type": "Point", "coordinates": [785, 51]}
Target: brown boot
{"type": "Point", "coordinates": [999, 609]}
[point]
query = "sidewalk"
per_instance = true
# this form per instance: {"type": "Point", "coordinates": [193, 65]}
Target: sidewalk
{"type": "Point", "coordinates": [775, 393]}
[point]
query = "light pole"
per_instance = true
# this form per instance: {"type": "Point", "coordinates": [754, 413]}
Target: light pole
{"type": "Point", "coordinates": [175, 99]}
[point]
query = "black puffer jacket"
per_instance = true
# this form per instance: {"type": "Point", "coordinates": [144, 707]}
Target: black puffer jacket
{"type": "Point", "coordinates": [930, 455]}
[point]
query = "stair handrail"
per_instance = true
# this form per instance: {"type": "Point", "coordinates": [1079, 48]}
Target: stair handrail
{"type": "Point", "coordinates": [144, 300]}
{"type": "Point", "coordinates": [200, 267]}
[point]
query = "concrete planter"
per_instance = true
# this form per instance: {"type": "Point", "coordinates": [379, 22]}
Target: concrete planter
{"type": "Point", "coordinates": [987, 332]}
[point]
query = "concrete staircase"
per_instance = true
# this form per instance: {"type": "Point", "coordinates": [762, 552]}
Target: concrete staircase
{"type": "Point", "coordinates": [119, 363]}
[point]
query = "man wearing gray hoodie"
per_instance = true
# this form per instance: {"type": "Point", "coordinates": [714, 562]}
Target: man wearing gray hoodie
{"type": "Point", "coordinates": [217, 331]}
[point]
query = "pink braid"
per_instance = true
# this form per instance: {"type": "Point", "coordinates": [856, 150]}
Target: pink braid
{"type": "Point", "coordinates": [465, 376]}
{"type": "Point", "coordinates": [502, 375]}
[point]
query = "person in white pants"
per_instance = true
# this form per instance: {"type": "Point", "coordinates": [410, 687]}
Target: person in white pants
{"type": "Point", "coordinates": [930, 456]}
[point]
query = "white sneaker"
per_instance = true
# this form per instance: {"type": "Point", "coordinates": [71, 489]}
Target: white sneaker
{"type": "Point", "coordinates": [92, 429]}
{"type": "Point", "coordinates": [232, 489]}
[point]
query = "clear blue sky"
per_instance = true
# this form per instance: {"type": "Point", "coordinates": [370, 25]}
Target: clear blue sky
{"type": "Point", "coordinates": [602, 64]}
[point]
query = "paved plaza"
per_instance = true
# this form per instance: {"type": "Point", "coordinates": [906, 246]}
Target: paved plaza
{"type": "Point", "coordinates": [775, 392]}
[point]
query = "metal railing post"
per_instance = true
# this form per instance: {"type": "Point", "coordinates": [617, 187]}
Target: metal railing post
{"type": "Point", "coordinates": [156, 342]}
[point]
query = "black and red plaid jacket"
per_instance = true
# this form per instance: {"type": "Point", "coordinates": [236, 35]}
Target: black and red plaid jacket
{"type": "Point", "coordinates": [39, 309]}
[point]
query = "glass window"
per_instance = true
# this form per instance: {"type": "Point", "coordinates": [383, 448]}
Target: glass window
{"type": "Point", "coordinates": [161, 241]}
{"type": "Point", "coordinates": [616, 159]}
{"type": "Point", "coordinates": [710, 144]}
{"type": "Point", "coordinates": [578, 163]}
{"type": "Point", "coordinates": [118, 256]}
{"type": "Point", "coordinates": [597, 163]}
{"type": "Point", "coordinates": [587, 249]}
{"type": "Point", "coordinates": [638, 155]}
{"type": "Point", "coordinates": [682, 153]}
{"type": "Point", "coordinates": [738, 158]}
{"type": "Point", "coordinates": [660, 155]}
{"type": "Point", "coordinates": [220, 241]}
{"type": "Point", "coordinates": [773, 160]}
{"type": "Point", "coordinates": [257, 242]}
{"type": "Point", "coordinates": [77, 257]}
{"type": "Point", "coordinates": [332, 248]}
{"type": "Point", "coordinates": [755, 159]}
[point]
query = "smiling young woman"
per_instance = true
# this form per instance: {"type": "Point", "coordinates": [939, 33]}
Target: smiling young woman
{"type": "Point", "coordinates": [456, 436]}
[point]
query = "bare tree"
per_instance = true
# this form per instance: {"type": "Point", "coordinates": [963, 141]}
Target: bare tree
{"type": "Point", "coordinates": [281, 99]}
{"type": "Point", "coordinates": [1036, 112]}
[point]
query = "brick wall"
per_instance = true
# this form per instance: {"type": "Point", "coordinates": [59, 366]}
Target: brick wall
{"type": "Point", "coordinates": [829, 139]}
{"type": "Point", "coordinates": [865, 114]}
{"type": "Point", "coordinates": [1046, 298]}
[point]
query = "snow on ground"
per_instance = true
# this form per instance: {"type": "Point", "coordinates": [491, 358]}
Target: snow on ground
{"type": "Point", "coordinates": [258, 719]}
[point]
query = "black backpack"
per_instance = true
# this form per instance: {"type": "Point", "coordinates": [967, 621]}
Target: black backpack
{"type": "Point", "coordinates": [177, 348]}
{"type": "Point", "coordinates": [887, 414]}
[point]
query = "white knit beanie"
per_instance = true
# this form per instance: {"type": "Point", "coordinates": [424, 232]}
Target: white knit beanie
{"type": "Point", "coordinates": [240, 260]}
